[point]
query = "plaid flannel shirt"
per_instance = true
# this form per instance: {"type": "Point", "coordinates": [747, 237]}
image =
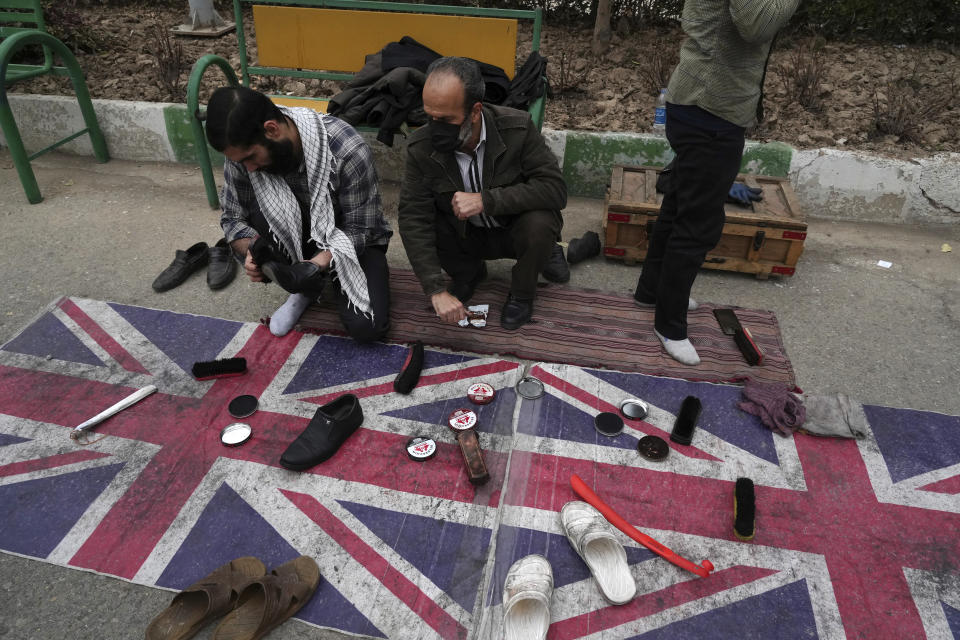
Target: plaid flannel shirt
{"type": "Point", "coordinates": [358, 210]}
{"type": "Point", "coordinates": [722, 60]}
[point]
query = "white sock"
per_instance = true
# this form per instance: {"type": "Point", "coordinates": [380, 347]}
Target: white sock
{"type": "Point", "coordinates": [691, 304]}
{"type": "Point", "coordinates": [680, 350]}
{"type": "Point", "coordinates": [289, 312]}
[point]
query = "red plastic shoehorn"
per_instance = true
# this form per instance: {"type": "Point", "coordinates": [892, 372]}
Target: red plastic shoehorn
{"type": "Point", "coordinates": [581, 489]}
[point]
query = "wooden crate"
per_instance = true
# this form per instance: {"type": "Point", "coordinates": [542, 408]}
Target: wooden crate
{"type": "Point", "coordinates": [763, 239]}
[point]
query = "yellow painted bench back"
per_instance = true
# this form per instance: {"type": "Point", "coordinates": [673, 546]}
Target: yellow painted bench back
{"type": "Point", "coordinates": [339, 40]}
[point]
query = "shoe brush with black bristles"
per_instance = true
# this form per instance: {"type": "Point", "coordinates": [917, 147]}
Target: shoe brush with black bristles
{"type": "Point", "coordinates": [225, 368]}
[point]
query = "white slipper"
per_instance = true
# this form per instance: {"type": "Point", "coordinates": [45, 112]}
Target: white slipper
{"type": "Point", "coordinates": [593, 540]}
{"type": "Point", "coordinates": [526, 599]}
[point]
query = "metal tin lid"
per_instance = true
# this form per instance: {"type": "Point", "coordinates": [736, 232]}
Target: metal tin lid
{"type": "Point", "coordinates": [530, 388]}
{"type": "Point", "coordinates": [235, 434]}
{"type": "Point", "coordinates": [634, 409]}
{"type": "Point", "coordinates": [481, 393]}
{"type": "Point", "coordinates": [608, 424]}
{"type": "Point", "coordinates": [243, 406]}
{"type": "Point", "coordinates": [421, 448]}
{"type": "Point", "coordinates": [462, 419]}
{"type": "Point", "coordinates": [653, 447]}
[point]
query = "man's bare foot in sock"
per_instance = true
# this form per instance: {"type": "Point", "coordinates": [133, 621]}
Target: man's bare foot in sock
{"type": "Point", "coordinates": [680, 350]}
{"type": "Point", "coordinates": [284, 318]}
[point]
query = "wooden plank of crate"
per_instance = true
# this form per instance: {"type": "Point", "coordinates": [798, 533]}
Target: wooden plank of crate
{"type": "Point", "coordinates": [794, 253]}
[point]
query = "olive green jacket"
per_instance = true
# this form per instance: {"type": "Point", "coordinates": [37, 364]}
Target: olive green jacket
{"type": "Point", "coordinates": [722, 60]}
{"type": "Point", "coordinates": [519, 174]}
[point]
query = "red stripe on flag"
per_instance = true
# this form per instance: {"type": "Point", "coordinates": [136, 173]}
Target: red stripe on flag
{"type": "Point", "coordinates": [101, 337]}
{"type": "Point", "coordinates": [602, 405]}
{"type": "Point", "coordinates": [947, 485]}
{"type": "Point", "coordinates": [651, 603]}
{"type": "Point", "coordinates": [40, 464]}
{"type": "Point", "coordinates": [467, 373]}
{"type": "Point", "coordinates": [398, 584]}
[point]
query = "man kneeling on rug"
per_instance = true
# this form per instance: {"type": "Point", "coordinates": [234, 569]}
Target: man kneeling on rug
{"type": "Point", "coordinates": [480, 184]}
{"type": "Point", "coordinates": [301, 206]}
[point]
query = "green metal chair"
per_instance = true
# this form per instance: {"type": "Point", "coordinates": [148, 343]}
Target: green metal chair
{"type": "Point", "coordinates": [21, 25]}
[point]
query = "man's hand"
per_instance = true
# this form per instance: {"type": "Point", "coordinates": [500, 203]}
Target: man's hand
{"type": "Point", "coordinates": [253, 271]}
{"type": "Point", "coordinates": [322, 259]}
{"type": "Point", "coordinates": [449, 309]}
{"type": "Point", "coordinates": [466, 205]}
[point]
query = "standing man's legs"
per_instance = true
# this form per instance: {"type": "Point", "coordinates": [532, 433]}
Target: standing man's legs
{"type": "Point", "coordinates": [373, 261]}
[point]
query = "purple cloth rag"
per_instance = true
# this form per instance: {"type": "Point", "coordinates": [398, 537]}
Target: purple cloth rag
{"type": "Point", "coordinates": [773, 403]}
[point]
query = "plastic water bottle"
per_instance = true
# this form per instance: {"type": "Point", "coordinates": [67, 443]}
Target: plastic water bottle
{"type": "Point", "coordinates": [660, 115]}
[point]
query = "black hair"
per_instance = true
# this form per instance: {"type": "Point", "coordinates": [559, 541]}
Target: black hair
{"type": "Point", "coordinates": [235, 117]}
{"type": "Point", "coordinates": [465, 70]}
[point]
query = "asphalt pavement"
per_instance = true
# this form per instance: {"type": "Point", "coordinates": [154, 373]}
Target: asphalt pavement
{"type": "Point", "coordinates": [885, 336]}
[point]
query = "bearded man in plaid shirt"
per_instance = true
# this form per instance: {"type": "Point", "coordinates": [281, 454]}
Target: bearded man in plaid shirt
{"type": "Point", "coordinates": [301, 206]}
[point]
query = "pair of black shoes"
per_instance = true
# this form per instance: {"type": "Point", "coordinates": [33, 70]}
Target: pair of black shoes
{"type": "Point", "coordinates": [221, 267]}
{"type": "Point", "coordinates": [300, 277]}
{"type": "Point", "coordinates": [330, 427]}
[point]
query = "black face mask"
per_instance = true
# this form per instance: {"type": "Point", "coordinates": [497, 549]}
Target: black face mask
{"type": "Point", "coordinates": [446, 136]}
{"type": "Point", "coordinates": [283, 159]}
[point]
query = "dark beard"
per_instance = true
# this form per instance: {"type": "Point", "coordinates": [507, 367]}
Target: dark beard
{"type": "Point", "coordinates": [283, 158]}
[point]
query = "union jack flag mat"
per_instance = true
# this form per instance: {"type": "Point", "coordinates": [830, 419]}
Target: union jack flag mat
{"type": "Point", "coordinates": [854, 539]}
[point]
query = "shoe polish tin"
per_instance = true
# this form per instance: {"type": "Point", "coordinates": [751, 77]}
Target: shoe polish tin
{"type": "Point", "coordinates": [634, 409]}
{"type": "Point", "coordinates": [420, 448]}
{"type": "Point", "coordinates": [235, 434]}
{"type": "Point", "coordinates": [481, 393]}
{"type": "Point", "coordinates": [242, 406]}
{"type": "Point", "coordinates": [653, 447]}
{"type": "Point", "coordinates": [530, 388]}
{"type": "Point", "coordinates": [608, 424]}
{"type": "Point", "coordinates": [462, 419]}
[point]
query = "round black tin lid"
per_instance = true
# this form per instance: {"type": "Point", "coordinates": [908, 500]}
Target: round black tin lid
{"type": "Point", "coordinates": [608, 424]}
{"type": "Point", "coordinates": [235, 434]}
{"type": "Point", "coordinates": [242, 406]}
{"type": "Point", "coordinates": [421, 448]}
{"type": "Point", "coordinates": [653, 447]}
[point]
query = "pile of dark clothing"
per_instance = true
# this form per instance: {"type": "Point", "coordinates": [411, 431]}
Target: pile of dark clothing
{"type": "Point", "coordinates": [386, 93]}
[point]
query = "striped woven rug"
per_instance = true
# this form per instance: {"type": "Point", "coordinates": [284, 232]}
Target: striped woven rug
{"type": "Point", "coordinates": [583, 327]}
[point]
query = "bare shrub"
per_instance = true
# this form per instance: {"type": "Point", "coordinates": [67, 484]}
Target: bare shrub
{"type": "Point", "coordinates": [802, 75]}
{"type": "Point", "coordinates": [169, 58]}
{"type": "Point", "coordinates": [906, 105]}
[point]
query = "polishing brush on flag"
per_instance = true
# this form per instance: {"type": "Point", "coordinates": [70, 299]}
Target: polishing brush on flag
{"type": "Point", "coordinates": [130, 400]}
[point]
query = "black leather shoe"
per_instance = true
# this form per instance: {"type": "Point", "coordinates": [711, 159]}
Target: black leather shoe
{"type": "Point", "coordinates": [587, 246]}
{"type": "Point", "coordinates": [222, 267]}
{"type": "Point", "coordinates": [301, 277]}
{"type": "Point", "coordinates": [330, 427]}
{"type": "Point", "coordinates": [463, 291]}
{"type": "Point", "coordinates": [515, 313]}
{"type": "Point", "coordinates": [185, 263]}
{"type": "Point", "coordinates": [557, 269]}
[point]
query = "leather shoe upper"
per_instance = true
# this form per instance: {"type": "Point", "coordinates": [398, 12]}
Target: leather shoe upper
{"type": "Point", "coordinates": [557, 269]}
{"type": "Point", "coordinates": [185, 263]}
{"type": "Point", "coordinates": [587, 246]}
{"type": "Point", "coordinates": [330, 427]}
{"type": "Point", "coordinates": [223, 268]}
{"type": "Point", "coordinates": [516, 313]}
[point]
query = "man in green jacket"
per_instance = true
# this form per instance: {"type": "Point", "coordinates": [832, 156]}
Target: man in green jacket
{"type": "Point", "coordinates": [480, 184]}
{"type": "Point", "coordinates": [714, 94]}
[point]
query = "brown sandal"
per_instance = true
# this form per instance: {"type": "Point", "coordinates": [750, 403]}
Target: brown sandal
{"type": "Point", "coordinates": [270, 600]}
{"type": "Point", "coordinates": [205, 600]}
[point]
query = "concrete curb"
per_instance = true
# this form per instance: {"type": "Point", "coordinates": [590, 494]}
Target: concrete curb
{"type": "Point", "coordinates": [829, 183]}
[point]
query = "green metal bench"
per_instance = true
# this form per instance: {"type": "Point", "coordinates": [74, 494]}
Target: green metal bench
{"type": "Point", "coordinates": [289, 45]}
{"type": "Point", "coordinates": [14, 36]}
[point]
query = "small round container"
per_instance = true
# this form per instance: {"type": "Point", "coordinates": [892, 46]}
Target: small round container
{"type": "Point", "coordinates": [529, 387]}
{"type": "Point", "coordinates": [243, 406]}
{"type": "Point", "coordinates": [421, 448]}
{"type": "Point", "coordinates": [634, 409]}
{"type": "Point", "coordinates": [653, 447]}
{"type": "Point", "coordinates": [481, 393]}
{"type": "Point", "coordinates": [462, 419]}
{"type": "Point", "coordinates": [608, 424]}
{"type": "Point", "coordinates": [235, 434]}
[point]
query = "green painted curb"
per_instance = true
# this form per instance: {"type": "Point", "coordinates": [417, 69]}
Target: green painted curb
{"type": "Point", "coordinates": [180, 136]}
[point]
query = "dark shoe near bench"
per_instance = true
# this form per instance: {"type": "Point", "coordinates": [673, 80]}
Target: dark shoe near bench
{"type": "Point", "coordinates": [516, 313]}
{"type": "Point", "coordinates": [185, 263]}
{"type": "Point", "coordinates": [223, 267]}
{"type": "Point", "coordinates": [330, 427]}
{"type": "Point", "coordinates": [557, 269]}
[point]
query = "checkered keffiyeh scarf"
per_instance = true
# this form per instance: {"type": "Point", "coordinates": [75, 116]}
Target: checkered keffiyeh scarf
{"type": "Point", "coordinates": [280, 208]}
